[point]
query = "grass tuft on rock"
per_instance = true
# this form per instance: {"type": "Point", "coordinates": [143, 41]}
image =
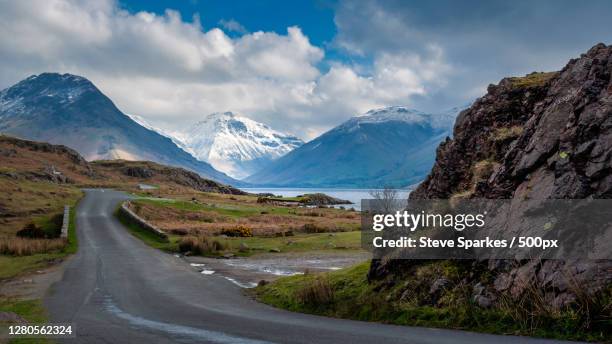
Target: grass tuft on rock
{"type": "Point", "coordinates": [533, 79]}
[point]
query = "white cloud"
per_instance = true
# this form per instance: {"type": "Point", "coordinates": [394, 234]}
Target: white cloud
{"type": "Point", "coordinates": [485, 40]}
{"type": "Point", "coordinates": [172, 72]}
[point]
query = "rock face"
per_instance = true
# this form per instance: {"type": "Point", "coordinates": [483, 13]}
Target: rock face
{"type": "Point", "coordinates": [548, 130]}
{"type": "Point", "coordinates": [545, 136]}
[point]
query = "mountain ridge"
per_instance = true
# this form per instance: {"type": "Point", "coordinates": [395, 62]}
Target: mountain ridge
{"type": "Point", "coordinates": [70, 110]}
{"type": "Point", "coordinates": [356, 152]}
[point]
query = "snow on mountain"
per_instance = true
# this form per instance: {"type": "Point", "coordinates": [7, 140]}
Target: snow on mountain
{"type": "Point", "coordinates": [393, 146]}
{"type": "Point", "coordinates": [403, 114]}
{"type": "Point", "coordinates": [235, 144]}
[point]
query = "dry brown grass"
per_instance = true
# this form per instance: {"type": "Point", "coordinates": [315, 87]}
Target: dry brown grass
{"type": "Point", "coordinates": [506, 133]}
{"type": "Point", "coordinates": [26, 201]}
{"type": "Point", "coordinates": [26, 247]}
{"type": "Point", "coordinates": [209, 222]}
{"type": "Point", "coordinates": [534, 307]}
{"type": "Point", "coordinates": [199, 245]}
{"type": "Point", "coordinates": [317, 292]}
{"type": "Point", "coordinates": [482, 170]}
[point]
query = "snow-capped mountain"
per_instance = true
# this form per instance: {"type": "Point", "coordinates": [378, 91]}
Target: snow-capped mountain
{"type": "Point", "coordinates": [392, 146]}
{"type": "Point", "coordinates": [70, 110]}
{"type": "Point", "coordinates": [235, 144]}
{"type": "Point", "coordinates": [401, 114]}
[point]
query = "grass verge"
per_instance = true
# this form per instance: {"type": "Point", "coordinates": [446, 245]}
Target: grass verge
{"type": "Point", "coordinates": [347, 294]}
{"type": "Point", "coordinates": [31, 310]}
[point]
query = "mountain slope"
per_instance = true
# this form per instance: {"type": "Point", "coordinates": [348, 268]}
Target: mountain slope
{"type": "Point", "coordinates": [68, 109]}
{"type": "Point", "coordinates": [236, 145]}
{"type": "Point", "coordinates": [393, 146]}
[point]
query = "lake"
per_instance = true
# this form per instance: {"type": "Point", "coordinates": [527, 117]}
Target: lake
{"type": "Point", "coordinates": [353, 195]}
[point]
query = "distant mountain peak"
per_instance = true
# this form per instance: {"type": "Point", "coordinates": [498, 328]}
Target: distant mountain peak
{"type": "Point", "coordinates": [235, 144]}
{"type": "Point", "coordinates": [45, 81]}
{"type": "Point", "coordinates": [402, 114]}
{"type": "Point", "coordinates": [61, 89]}
{"type": "Point", "coordinates": [68, 109]}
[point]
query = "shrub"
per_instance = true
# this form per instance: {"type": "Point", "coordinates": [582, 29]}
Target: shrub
{"type": "Point", "coordinates": [238, 231]}
{"type": "Point", "coordinates": [316, 292]}
{"type": "Point", "coordinates": [199, 245]}
{"type": "Point", "coordinates": [312, 213]}
{"type": "Point", "coordinates": [179, 231]}
{"type": "Point", "coordinates": [313, 228]}
{"type": "Point", "coordinates": [31, 231]}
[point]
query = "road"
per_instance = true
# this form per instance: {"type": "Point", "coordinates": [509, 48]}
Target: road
{"type": "Point", "coordinates": [118, 290]}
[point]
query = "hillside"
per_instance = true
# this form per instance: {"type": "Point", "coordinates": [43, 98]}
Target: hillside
{"type": "Point", "coordinates": [38, 178]}
{"type": "Point", "coordinates": [386, 147]}
{"type": "Point", "coordinates": [69, 110]}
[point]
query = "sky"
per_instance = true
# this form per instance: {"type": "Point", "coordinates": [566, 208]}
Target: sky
{"type": "Point", "coordinates": [301, 67]}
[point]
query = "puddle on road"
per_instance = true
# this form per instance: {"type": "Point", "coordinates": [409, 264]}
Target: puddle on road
{"type": "Point", "coordinates": [264, 267]}
{"type": "Point", "coordinates": [247, 272]}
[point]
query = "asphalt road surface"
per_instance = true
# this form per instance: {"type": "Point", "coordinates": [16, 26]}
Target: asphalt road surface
{"type": "Point", "coordinates": [118, 290]}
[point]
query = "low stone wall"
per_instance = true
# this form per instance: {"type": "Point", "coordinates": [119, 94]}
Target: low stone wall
{"type": "Point", "coordinates": [125, 210]}
{"type": "Point", "coordinates": [65, 222]}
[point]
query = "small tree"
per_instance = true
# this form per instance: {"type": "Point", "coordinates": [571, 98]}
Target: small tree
{"type": "Point", "coordinates": [386, 199]}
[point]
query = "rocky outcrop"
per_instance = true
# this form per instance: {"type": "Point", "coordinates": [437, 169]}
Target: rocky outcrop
{"type": "Point", "coordinates": [161, 174]}
{"type": "Point", "coordinates": [35, 146]}
{"type": "Point", "coordinates": [544, 136]}
{"type": "Point", "coordinates": [550, 130]}
{"type": "Point", "coordinates": [41, 161]}
{"type": "Point", "coordinates": [137, 172]}
{"type": "Point", "coordinates": [322, 199]}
